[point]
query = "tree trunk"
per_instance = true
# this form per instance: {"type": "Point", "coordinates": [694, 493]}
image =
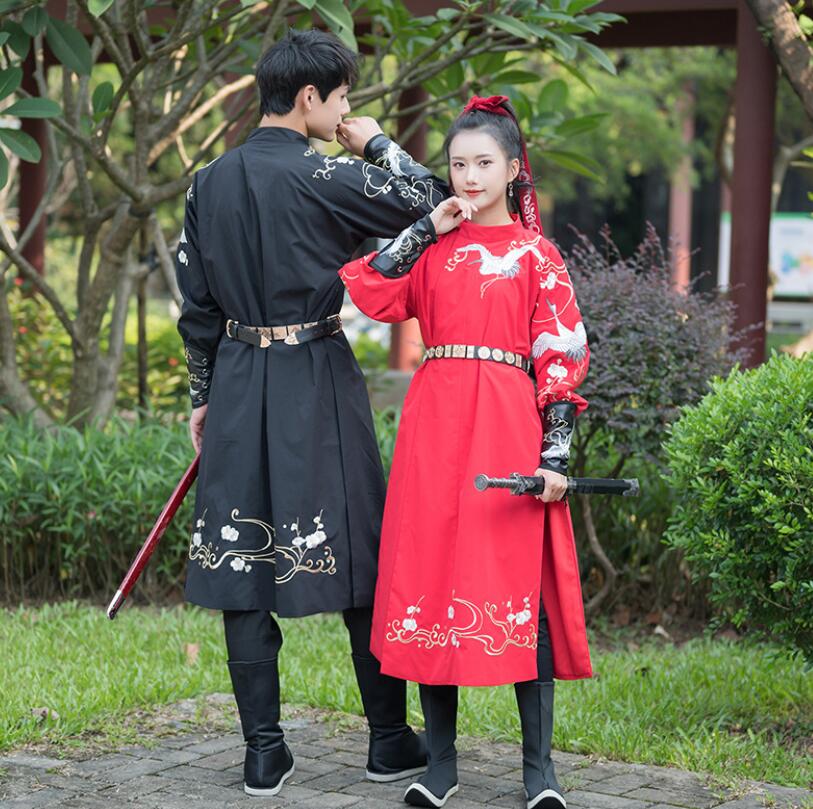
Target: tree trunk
{"type": "Point", "coordinates": [93, 386]}
{"type": "Point", "coordinates": [14, 394]}
{"type": "Point", "coordinates": [792, 50]}
{"type": "Point", "coordinates": [610, 573]}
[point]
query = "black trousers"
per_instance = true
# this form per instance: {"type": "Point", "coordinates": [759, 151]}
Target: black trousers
{"type": "Point", "coordinates": [254, 635]}
{"type": "Point", "coordinates": [544, 653]}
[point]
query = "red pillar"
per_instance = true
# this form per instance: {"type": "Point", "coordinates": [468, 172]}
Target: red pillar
{"type": "Point", "coordinates": [680, 200]}
{"type": "Point", "coordinates": [406, 343]}
{"type": "Point", "coordinates": [755, 101]}
{"type": "Point", "coordinates": [33, 178]}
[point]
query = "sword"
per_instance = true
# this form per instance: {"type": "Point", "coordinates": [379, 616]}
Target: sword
{"type": "Point", "coordinates": [144, 554]}
{"type": "Point", "coordinates": [526, 484]}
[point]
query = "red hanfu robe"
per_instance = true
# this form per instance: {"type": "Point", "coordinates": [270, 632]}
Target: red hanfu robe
{"type": "Point", "coordinates": [461, 571]}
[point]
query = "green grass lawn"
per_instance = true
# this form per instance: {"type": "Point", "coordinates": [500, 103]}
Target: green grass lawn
{"type": "Point", "coordinates": [734, 709]}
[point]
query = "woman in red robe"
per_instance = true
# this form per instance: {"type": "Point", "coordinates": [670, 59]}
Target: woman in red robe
{"type": "Point", "coordinates": [480, 588]}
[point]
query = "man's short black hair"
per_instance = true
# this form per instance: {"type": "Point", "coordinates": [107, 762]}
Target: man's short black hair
{"type": "Point", "coordinates": [301, 58]}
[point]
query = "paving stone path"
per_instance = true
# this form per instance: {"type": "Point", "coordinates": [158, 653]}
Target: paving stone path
{"type": "Point", "coordinates": [199, 771]}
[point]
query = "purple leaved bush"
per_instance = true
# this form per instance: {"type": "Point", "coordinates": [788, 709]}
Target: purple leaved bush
{"type": "Point", "coordinates": [653, 350]}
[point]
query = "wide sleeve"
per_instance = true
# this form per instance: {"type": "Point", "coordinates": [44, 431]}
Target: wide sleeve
{"type": "Point", "coordinates": [202, 322]}
{"type": "Point", "coordinates": [389, 300]}
{"type": "Point", "coordinates": [560, 355]}
{"type": "Point", "coordinates": [380, 283]}
{"type": "Point", "coordinates": [373, 201]}
{"type": "Point", "coordinates": [388, 155]}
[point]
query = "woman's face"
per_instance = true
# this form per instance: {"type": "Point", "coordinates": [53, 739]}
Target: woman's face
{"type": "Point", "coordinates": [479, 169]}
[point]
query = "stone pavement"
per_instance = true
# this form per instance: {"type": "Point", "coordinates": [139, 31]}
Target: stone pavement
{"type": "Point", "coordinates": [200, 771]}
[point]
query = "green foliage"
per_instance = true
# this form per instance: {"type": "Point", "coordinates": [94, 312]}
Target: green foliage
{"type": "Point", "coordinates": [642, 112]}
{"type": "Point", "coordinates": [371, 354]}
{"type": "Point", "coordinates": [742, 463]}
{"type": "Point", "coordinates": [167, 382]}
{"type": "Point", "coordinates": [76, 505]}
{"type": "Point", "coordinates": [735, 710]}
{"type": "Point", "coordinates": [43, 349]}
{"type": "Point", "coordinates": [386, 430]}
{"type": "Point", "coordinates": [45, 360]}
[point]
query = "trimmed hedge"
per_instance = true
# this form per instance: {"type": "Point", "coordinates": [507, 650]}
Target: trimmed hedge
{"type": "Point", "coordinates": [742, 466]}
{"type": "Point", "coordinates": [75, 506]}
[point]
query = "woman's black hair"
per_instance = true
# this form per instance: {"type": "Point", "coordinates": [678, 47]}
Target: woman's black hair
{"type": "Point", "coordinates": [301, 58]}
{"type": "Point", "coordinates": [502, 128]}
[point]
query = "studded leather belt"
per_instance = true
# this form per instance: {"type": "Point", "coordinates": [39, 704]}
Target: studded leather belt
{"type": "Point", "coordinates": [465, 352]}
{"type": "Point", "coordinates": [263, 336]}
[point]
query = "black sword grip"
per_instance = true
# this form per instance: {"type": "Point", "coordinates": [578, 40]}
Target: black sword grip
{"type": "Point", "coordinates": [526, 484]}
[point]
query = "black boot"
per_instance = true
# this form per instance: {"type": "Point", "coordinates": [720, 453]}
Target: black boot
{"type": "Point", "coordinates": [535, 701]}
{"type": "Point", "coordinates": [439, 782]}
{"type": "Point", "coordinates": [268, 760]}
{"type": "Point", "coordinates": [395, 751]}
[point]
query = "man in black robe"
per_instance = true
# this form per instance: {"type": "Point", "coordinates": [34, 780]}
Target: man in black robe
{"type": "Point", "coordinates": [291, 490]}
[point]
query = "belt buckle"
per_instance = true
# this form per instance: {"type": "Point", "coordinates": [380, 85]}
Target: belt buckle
{"type": "Point", "coordinates": [292, 337]}
{"type": "Point", "coordinates": [231, 328]}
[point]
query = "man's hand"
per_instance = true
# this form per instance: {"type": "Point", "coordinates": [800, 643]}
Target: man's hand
{"type": "Point", "coordinates": [555, 486]}
{"type": "Point", "coordinates": [450, 213]}
{"type": "Point", "coordinates": [197, 422]}
{"type": "Point", "coordinates": [354, 133]}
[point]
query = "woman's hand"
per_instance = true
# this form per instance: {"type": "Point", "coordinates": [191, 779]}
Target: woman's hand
{"type": "Point", "coordinates": [354, 133]}
{"type": "Point", "coordinates": [450, 213]}
{"type": "Point", "coordinates": [555, 486]}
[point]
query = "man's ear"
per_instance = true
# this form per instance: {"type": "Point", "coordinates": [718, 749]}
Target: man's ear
{"type": "Point", "coordinates": [306, 96]}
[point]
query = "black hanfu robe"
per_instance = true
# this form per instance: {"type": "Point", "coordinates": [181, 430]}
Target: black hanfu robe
{"type": "Point", "coordinates": [291, 491]}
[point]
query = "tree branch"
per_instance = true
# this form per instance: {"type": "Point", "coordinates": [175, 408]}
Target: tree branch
{"type": "Point", "coordinates": [200, 112]}
{"type": "Point", "coordinates": [610, 573]}
{"type": "Point", "coordinates": [781, 163]}
{"type": "Point", "coordinates": [165, 261]}
{"type": "Point", "coordinates": [29, 272]}
{"type": "Point", "coordinates": [282, 10]}
{"type": "Point", "coordinates": [789, 44]}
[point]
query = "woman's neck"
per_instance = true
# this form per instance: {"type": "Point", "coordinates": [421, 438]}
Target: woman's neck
{"type": "Point", "coordinates": [497, 215]}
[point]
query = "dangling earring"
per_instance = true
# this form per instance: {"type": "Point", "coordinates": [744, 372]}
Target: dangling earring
{"type": "Point", "coordinates": [511, 190]}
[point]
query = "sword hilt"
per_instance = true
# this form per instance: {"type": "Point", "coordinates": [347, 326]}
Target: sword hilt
{"type": "Point", "coordinates": [527, 484]}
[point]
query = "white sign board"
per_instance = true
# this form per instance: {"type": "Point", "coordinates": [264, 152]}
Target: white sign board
{"type": "Point", "coordinates": [790, 257]}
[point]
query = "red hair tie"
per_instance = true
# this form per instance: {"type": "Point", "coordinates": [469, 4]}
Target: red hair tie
{"type": "Point", "coordinates": [528, 203]}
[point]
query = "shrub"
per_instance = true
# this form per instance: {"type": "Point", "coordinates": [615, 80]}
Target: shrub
{"type": "Point", "coordinates": [76, 505]}
{"type": "Point", "coordinates": [653, 350]}
{"type": "Point", "coordinates": [386, 430]}
{"type": "Point", "coordinates": [46, 361]}
{"type": "Point", "coordinates": [741, 462]}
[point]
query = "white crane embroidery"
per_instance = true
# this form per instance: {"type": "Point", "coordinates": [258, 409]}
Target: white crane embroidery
{"type": "Point", "coordinates": [506, 266]}
{"type": "Point", "coordinates": [570, 342]}
{"type": "Point", "coordinates": [394, 157]}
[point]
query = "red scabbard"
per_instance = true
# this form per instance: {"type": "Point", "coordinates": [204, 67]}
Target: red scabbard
{"type": "Point", "coordinates": [144, 554]}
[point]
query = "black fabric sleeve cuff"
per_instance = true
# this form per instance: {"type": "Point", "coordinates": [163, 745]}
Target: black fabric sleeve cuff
{"type": "Point", "coordinates": [558, 421]}
{"type": "Point", "coordinates": [199, 367]}
{"type": "Point", "coordinates": [388, 155]}
{"type": "Point", "coordinates": [400, 255]}
{"type": "Point", "coordinates": [375, 150]}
